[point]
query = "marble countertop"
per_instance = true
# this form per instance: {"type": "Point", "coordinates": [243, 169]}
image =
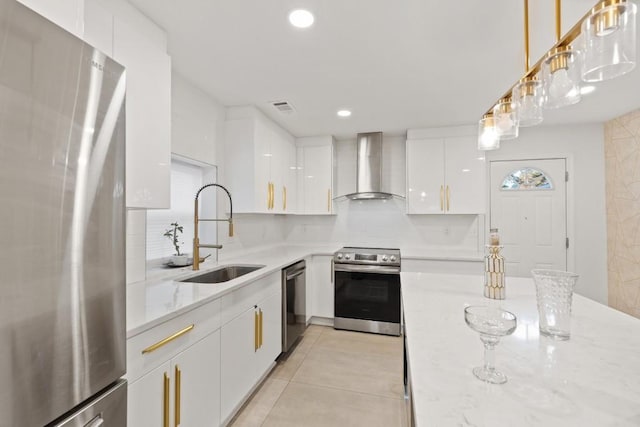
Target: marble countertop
{"type": "Point", "coordinates": [164, 297]}
{"type": "Point", "coordinates": [591, 380]}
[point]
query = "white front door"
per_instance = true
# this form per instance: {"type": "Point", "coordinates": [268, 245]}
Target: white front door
{"type": "Point", "coordinates": [529, 209]}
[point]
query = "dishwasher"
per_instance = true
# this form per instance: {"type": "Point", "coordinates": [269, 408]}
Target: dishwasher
{"type": "Point", "coordinates": [294, 301]}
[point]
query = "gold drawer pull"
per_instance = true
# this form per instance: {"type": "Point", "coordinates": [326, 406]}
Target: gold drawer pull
{"type": "Point", "coordinates": [167, 340]}
{"type": "Point", "coordinates": [448, 199]}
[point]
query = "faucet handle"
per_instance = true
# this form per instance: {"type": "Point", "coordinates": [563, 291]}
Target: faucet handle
{"type": "Point", "coordinates": [230, 228]}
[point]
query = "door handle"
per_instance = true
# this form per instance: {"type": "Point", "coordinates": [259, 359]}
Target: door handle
{"type": "Point", "coordinates": [284, 198]}
{"type": "Point", "coordinates": [256, 326]}
{"type": "Point", "coordinates": [178, 389]}
{"type": "Point", "coordinates": [165, 406]}
{"type": "Point", "coordinates": [96, 422]}
{"type": "Point", "coordinates": [448, 198]}
{"type": "Point", "coordinates": [333, 270]}
{"type": "Point", "coordinates": [261, 326]}
{"type": "Point", "coordinates": [442, 197]}
{"type": "Point", "coordinates": [329, 200]}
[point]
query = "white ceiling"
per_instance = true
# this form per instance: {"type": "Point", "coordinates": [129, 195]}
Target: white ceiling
{"type": "Point", "coordinates": [395, 64]}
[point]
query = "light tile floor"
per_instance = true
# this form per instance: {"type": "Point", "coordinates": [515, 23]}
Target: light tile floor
{"type": "Point", "coordinates": [332, 378]}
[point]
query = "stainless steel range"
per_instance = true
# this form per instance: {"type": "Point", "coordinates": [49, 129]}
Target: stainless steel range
{"type": "Point", "coordinates": [367, 290]}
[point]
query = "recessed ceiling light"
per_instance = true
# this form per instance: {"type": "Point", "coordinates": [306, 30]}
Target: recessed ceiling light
{"type": "Point", "coordinates": [585, 90]}
{"type": "Point", "coordinates": [344, 113]}
{"type": "Point", "coordinates": [301, 18]}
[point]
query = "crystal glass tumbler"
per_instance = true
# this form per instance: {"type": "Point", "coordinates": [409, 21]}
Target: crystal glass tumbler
{"type": "Point", "coordinates": [554, 292]}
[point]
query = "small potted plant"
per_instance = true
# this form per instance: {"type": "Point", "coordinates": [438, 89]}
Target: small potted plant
{"type": "Point", "coordinates": [179, 258]}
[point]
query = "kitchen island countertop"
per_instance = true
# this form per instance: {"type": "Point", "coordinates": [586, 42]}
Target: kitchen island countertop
{"type": "Point", "coordinates": [591, 380]}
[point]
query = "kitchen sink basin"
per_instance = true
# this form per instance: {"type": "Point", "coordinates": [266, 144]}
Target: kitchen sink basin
{"type": "Point", "coordinates": [223, 274]}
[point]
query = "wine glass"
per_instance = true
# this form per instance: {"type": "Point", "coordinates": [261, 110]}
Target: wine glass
{"type": "Point", "coordinates": [491, 323]}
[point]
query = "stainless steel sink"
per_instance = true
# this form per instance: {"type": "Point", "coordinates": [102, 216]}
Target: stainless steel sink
{"type": "Point", "coordinates": [223, 274]}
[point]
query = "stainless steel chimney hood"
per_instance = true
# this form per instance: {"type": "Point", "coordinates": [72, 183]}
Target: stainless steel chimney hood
{"type": "Point", "coordinates": [369, 168]}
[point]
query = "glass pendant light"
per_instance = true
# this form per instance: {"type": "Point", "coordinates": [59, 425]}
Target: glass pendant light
{"type": "Point", "coordinates": [561, 78]}
{"type": "Point", "coordinates": [527, 97]}
{"type": "Point", "coordinates": [609, 40]}
{"type": "Point", "coordinates": [560, 72]}
{"type": "Point", "coordinates": [505, 119]}
{"type": "Point", "coordinates": [488, 138]}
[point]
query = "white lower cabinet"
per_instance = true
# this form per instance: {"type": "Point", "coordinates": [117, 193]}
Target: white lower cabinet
{"type": "Point", "coordinates": [184, 391]}
{"type": "Point", "coordinates": [146, 398]}
{"type": "Point", "coordinates": [250, 342]}
{"type": "Point", "coordinates": [196, 369]}
{"type": "Point", "coordinates": [321, 303]}
{"type": "Point", "coordinates": [196, 379]}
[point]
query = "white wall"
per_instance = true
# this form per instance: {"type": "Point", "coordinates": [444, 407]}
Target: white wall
{"type": "Point", "coordinates": [383, 223]}
{"type": "Point", "coordinates": [584, 146]}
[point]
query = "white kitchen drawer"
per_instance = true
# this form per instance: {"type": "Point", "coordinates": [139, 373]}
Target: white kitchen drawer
{"type": "Point", "coordinates": [237, 302]}
{"type": "Point", "coordinates": [205, 320]}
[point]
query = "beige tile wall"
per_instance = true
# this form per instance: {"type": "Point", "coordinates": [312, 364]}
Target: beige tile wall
{"type": "Point", "coordinates": [622, 156]}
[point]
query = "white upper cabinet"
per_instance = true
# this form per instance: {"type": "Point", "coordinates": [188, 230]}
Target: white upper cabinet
{"type": "Point", "coordinates": [98, 26]}
{"type": "Point", "coordinates": [315, 175]}
{"type": "Point", "coordinates": [68, 14]}
{"type": "Point", "coordinates": [445, 175]}
{"type": "Point", "coordinates": [258, 163]}
{"type": "Point", "coordinates": [148, 106]}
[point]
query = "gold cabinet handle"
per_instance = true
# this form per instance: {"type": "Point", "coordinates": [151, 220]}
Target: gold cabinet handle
{"type": "Point", "coordinates": [273, 195]}
{"type": "Point", "coordinates": [448, 198]}
{"type": "Point", "coordinates": [255, 331]}
{"type": "Point", "coordinates": [268, 195]}
{"type": "Point", "coordinates": [167, 340]}
{"type": "Point", "coordinates": [329, 200]}
{"type": "Point", "coordinates": [165, 406]}
{"type": "Point", "coordinates": [442, 197]}
{"type": "Point", "coordinates": [178, 387]}
{"type": "Point", "coordinates": [284, 198]}
{"type": "Point", "coordinates": [260, 330]}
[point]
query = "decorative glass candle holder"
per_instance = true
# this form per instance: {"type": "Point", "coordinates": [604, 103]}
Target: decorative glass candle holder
{"type": "Point", "coordinates": [494, 284]}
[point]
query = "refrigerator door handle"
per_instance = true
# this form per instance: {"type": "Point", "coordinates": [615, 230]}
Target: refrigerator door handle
{"type": "Point", "coordinates": [96, 422]}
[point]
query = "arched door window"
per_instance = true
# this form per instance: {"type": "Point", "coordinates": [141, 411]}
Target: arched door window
{"type": "Point", "coordinates": [527, 179]}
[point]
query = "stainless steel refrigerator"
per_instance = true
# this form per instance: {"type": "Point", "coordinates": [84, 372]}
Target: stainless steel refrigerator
{"type": "Point", "coordinates": [62, 227]}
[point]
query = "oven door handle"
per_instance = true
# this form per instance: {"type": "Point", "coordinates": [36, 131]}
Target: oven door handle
{"type": "Point", "coordinates": [349, 268]}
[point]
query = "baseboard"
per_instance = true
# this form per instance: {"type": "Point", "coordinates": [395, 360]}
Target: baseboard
{"type": "Point", "coordinates": [320, 321]}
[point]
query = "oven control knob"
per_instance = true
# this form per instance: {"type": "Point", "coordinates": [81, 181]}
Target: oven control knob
{"type": "Point", "coordinates": [384, 258]}
{"type": "Point", "coordinates": [393, 258]}
{"type": "Point", "coordinates": [347, 256]}
{"type": "Point", "coordinates": [339, 256]}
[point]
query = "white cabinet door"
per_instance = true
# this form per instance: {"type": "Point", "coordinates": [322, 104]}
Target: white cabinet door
{"type": "Point", "coordinates": [147, 396]}
{"type": "Point", "coordinates": [237, 365]}
{"type": "Point", "coordinates": [271, 309]}
{"type": "Point", "coordinates": [68, 14]}
{"type": "Point", "coordinates": [262, 138]}
{"type": "Point", "coordinates": [98, 26]}
{"type": "Point", "coordinates": [291, 179]}
{"type": "Point", "coordinates": [445, 176]}
{"type": "Point", "coordinates": [322, 286]}
{"type": "Point", "coordinates": [148, 106]}
{"type": "Point", "coordinates": [465, 176]}
{"type": "Point", "coordinates": [196, 375]}
{"type": "Point", "coordinates": [425, 176]}
{"type": "Point", "coordinates": [317, 173]}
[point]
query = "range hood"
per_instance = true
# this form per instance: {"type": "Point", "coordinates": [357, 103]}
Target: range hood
{"type": "Point", "coordinates": [369, 168]}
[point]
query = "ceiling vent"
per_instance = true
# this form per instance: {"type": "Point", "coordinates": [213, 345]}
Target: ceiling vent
{"type": "Point", "coordinates": [283, 107]}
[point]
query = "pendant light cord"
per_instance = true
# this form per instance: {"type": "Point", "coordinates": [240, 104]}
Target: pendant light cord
{"type": "Point", "coordinates": [558, 20]}
{"type": "Point", "coordinates": [526, 36]}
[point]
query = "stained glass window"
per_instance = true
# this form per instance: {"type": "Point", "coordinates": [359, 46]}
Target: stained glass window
{"type": "Point", "coordinates": [527, 179]}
